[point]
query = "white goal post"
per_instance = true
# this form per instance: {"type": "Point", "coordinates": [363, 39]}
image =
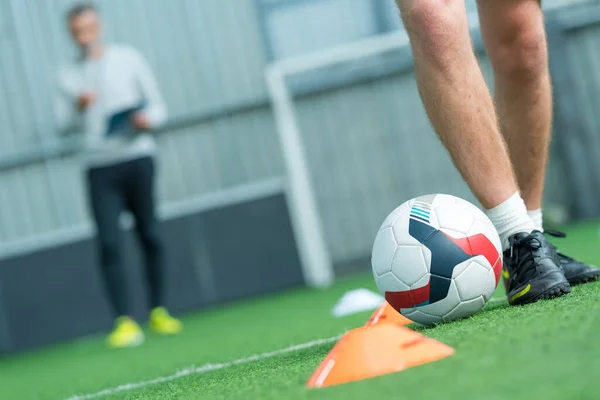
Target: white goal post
{"type": "Point", "coordinates": [314, 255]}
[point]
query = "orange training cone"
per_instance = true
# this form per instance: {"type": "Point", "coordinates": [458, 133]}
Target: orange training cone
{"type": "Point", "coordinates": [386, 314]}
{"type": "Point", "coordinates": [376, 350]}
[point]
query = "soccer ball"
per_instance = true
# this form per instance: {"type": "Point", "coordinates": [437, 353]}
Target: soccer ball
{"type": "Point", "coordinates": [437, 258]}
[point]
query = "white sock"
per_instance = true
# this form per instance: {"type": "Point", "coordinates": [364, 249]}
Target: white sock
{"type": "Point", "coordinates": [510, 217]}
{"type": "Point", "coordinates": [536, 217]}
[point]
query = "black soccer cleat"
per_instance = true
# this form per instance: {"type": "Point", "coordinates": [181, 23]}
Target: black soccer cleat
{"type": "Point", "coordinates": [532, 270]}
{"type": "Point", "coordinates": [575, 271]}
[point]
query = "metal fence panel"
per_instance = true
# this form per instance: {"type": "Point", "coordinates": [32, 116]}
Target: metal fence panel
{"type": "Point", "coordinates": [206, 55]}
{"type": "Point", "coordinates": [371, 147]}
{"type": "Point", "coordinates": [218, 154]}
{"type": "Point", "coordinates": [583, 60]}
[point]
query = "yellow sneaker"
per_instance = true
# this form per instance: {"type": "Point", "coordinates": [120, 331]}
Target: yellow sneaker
{"type": "Point", "coordinates": [127, 333]}
{"type": "Point", "coordinates": [162, 322]}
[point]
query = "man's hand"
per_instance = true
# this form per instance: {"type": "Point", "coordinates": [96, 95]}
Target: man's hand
{"type": "Point", "coordinates": [141, 121]}
{"type": "Point", "coordinates": [86, 100]}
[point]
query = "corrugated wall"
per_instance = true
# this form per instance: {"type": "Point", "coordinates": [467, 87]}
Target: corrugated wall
{"type": "Point", "coordinates": [370, 145]}
{"type": "Point", "coordinates": [207, 55]}
{"type": "Point", "coordinates": [583, 59]}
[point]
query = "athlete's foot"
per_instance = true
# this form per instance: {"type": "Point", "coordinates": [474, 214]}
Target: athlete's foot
{"type": "Point", "coordinates": [162, 322]}
{"type": "Point", "coordinates": [575, 271]}
{"type": "Point", "coordinates": [126, 333]}
{"type": "Point", "coordinates": [532, 270]}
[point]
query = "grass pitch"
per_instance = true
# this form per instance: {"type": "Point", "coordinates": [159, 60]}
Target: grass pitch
{"type": "Point", "coordinates": [546, 350]}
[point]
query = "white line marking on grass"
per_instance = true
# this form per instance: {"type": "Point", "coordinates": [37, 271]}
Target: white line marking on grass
{"type": "Point", "coordinates": [215, 367]}
{"type": "Point", "coordinates": [203, 369]}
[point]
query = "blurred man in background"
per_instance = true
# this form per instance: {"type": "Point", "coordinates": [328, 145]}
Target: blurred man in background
{"type": "Point", "coordinates": [506, 174]}
{"type": "Point", "coordinates": [111, 94]}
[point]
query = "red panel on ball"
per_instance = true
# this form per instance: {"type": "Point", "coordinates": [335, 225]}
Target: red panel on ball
{"type": "Point", "coordinates": [408, 298]}
{"type": "Point", "coordinates": [480, 245]}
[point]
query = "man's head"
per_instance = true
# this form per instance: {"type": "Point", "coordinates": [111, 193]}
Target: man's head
{"type": "Point", "coordinates": [84, 24]}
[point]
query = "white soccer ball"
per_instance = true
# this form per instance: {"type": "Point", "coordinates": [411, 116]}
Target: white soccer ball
{"type": "Point", "coordinates": [437, 258]}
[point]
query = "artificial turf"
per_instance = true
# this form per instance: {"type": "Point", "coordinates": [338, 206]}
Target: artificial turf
{"type": "Point", "coordinates": [547, 350]}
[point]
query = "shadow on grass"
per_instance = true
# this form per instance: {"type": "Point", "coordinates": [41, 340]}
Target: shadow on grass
{"type": "Point", "coordinates": [489, 307]}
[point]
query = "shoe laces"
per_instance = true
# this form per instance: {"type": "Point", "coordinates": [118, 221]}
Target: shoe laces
{"type": "Point", "coordinates": [525, 254]}
{"type": "Point", "coordinates": [530, 242]}
{"type": "Point", "coordinates": [556, 234]}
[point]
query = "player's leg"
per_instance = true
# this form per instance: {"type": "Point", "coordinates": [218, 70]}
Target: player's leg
{"type": "Point", "coordinates": [514, 35]}
{"type": "Point", "coordinates": [461, 110]}
{"type": "Point", "coordinates": [139, 179]}
{"type": "Point", "coordinates": [107, 203]}
{"type": "Point", "coordinates": [456, 96]}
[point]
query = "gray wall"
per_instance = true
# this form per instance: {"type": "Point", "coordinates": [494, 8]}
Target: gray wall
{"type": "Point", "coordinates": [582, 50]}
{"type": "Point", "coordinates": [370, 146]}
{"type": "Point", "coordinates": [208, 56]}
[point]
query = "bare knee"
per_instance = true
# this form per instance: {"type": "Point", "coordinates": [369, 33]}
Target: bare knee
{"type": "Point", "coordinates": [435, 26]}
{"type": "Point", "coordinates": [520, 53]}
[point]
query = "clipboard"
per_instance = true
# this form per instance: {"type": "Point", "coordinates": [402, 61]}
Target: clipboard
{"type": "Point", "coordinates": [119, 124]}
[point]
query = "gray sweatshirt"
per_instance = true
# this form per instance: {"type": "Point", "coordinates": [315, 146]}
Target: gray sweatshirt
{"type": "Point", "coordinates": [121, 80]}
